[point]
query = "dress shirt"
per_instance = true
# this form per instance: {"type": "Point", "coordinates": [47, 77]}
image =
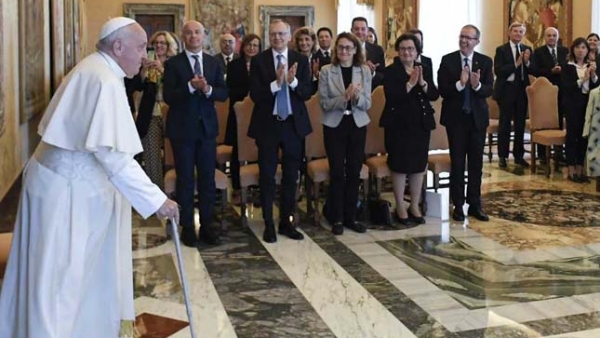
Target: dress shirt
{"type": "Point", "coordinates": [192, 61]}
{"type": "Point", "coordinates": [274, 86]}
{"type": "Point", "coordinates": [459, 86]}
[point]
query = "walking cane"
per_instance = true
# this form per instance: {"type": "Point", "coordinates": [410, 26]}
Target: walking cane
{"type": "Point", "coordinates": [182, 274]}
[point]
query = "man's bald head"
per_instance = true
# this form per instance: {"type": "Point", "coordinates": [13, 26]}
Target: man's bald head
{"type": "Point", "coordinates": [227, 43]}
{"type": "Point", "coordinates": [551, 36]}
{"type": "Point", "coordinates": [192, 35]}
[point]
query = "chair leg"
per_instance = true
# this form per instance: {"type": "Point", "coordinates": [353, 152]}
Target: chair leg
{"type": "Point", "coordinates": [598, 184]}
{"type": "Point", "coordinates": [378, 183]}
{"type": "Point", "coordinates": [533, 159]}
{"type": "Point", "coordinates": [223, 204]}
{"type": "Point", "coordinates": [244, 199]}
{"type": "Point", "coordinates": [316, 213]}
{"type": "Point", "coordinates": [490, 140]}
{"type": "Point", "coordinates": [436, 182]}
{"type": "Point", "coordinates": [548, 162]}
{"type": "Point", "coordinates": [364, 199]}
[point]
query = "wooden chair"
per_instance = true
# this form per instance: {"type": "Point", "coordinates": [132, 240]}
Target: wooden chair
{"type": "Point", "coordinates": [543, 115]}
{"type": "Point", "coordinates": [248, 154]}
{"type": "Point", "coordinates": [438, 162]}
{"type": "Point", "coordinates": [317, 165]}
{"type": "Point", "coordinates": [5, 241]}
{"type": "Point", "coordinates": [492, 129]}
{"type": "Point", "coordinates": [374, 145]}
{"type": "Point", "coordinates": [223, 151]}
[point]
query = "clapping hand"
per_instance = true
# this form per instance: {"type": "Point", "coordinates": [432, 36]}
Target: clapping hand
{"type": "Point", "coordinates": [464, 76]}
{"type": "Point", "coordinates": [292, 73]}
{"type": "Point", "coordinates": [414, 76]}
{"type": "Point", "coordinates": [280, 74]}
{"type": "Point", "coordinates": [475, 76]}
{"type": "Point", "coordinates": [372, 66]}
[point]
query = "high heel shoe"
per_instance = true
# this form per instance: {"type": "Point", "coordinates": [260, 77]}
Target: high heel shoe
{"type": "Point", "coordinates": [404, 221]}
{"type": "Point", "coordinates": [418, 220]}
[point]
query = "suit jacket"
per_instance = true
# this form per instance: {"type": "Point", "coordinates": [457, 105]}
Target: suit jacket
{"type": "Point", "coordinates": [449, 73]}
{"type": "Point", "coordinates": [544, 63]}
{"type": "Point", "coordinates": [238, 82]}
{"type": "Point", "coordinates": [221, 59]}
{"type": "Point", "coordinates": [189, 110]}
{"type": "Point", "coordinates": [322, 59]}
{"type": "Point", "coordinates": [574, 101]}
{"type": "Point", "coordinates": [426, 61]}
{"type": "Point", "coordinates": [331, 93]}
{"type": "Point", "coordinates": [504, 66]}
{"type": "Point", "coordinates": [376, 55]}
{"type": "Point", "coordinates": [262, 73]}
{"type": "Point", "coordinates": [405, 110]}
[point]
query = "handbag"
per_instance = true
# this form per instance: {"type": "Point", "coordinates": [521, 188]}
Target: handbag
{"type": "Point", "coordinates": [379, 211]}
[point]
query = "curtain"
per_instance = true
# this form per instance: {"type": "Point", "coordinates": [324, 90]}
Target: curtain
{"type": "Point", "coordinates": [596, 16]}
{"type": "Point", "coordinates": [366, 2]}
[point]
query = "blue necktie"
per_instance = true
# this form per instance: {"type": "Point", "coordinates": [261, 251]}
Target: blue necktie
{"type": "Point", "coordinates": [282, 95]}
{"type": "Point", "coordinates": [467, 93]}
{"type": "Point", "coordinates": [197, 70]}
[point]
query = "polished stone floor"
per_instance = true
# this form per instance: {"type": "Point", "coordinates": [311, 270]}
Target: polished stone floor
{"type": "Point", "coordinates": [532, 271]}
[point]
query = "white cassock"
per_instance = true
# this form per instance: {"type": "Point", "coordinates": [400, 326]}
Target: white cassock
{"type": "Point", "coordinates": [69, 273]}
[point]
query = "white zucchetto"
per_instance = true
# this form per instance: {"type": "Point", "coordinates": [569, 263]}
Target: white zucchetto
{"type": "Point", "coordinates": [114, 24]}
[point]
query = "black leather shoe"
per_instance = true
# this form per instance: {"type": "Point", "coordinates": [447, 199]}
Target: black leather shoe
{"type": "Point", "coordinates": [188, 237]}
{"type": "Point", "coordinates": [479, 214]}
{"type": "Point", "coordinates": [522, 162]}
{"type": "Point", "coordinates": [289, 230]}
{"type": "Point", "coordinates": [337, 228]}
{"type": "Point", "coordinates": [209, 237]}
{"type": "Point", "coordinates": [356, 226]}
{"type": "Point", "coordinates": [404, 221]}
{"type": "Point", "coordinates": [269, 235]}
{"type": "Point", "coordinates": [418, 220]}
{"type": "Point", "coordinates": [458, 214]}
{"type": "Point", "coordinates": [502, 163]}
{"type": "Point", "coordinates": [583, 179]}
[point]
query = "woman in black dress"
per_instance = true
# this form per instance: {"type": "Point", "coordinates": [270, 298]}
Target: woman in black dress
{"type": "Point", "coordinates": [238, 82]}
{"type": "Point", "coordinates": [577, 79]}
{"type": "Point", "coordinates": [407, 120]}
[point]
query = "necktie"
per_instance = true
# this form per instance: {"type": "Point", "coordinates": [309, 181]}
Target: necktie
{"type": "Point", "coordinates": [282, 95]}
{"type": "Point", "coordinates": [467, 92]}
{"type": "Point", "coordinates": [327, 54]}
{"type": "Point", "coordinates": [517, 54]}
{"type": "Point", "coordinates": [197, 70]}
{"type": "Point", "coordinates": [227, 59]}
{"type": "Point", "coordinates": [554, 56]}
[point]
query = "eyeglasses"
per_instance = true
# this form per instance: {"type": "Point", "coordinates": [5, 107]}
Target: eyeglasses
{"type": "Point", "coordinates": [229, 42]}
{"type": "Point", "coordinates": [466, 37]}
{"type": "Point", "coordinates": [275, 34]}
{"type": "Point", "coordinates": [345, 48]}
{"type": "Point", "coordinates": [160, 43]}
{"type": "Point", "coordinates": [407, 49]}
{"type": "Point", "coordinates": [252, 45]}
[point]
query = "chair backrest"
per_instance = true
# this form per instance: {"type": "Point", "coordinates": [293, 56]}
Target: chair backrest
{"type": "Point", "coordinates": [494, 108]}
{"type": "Point", "coordinates": [222, 109]}
{"type": "Point", "coordinates": [314, 144]}
{"type": "Point", "coordinates": [247, 150]}
{"type": "Point", "coordinates": [531, 78]}
{"type": "Point", "coordinates": [439, 139]}
{"type": "Point", "coordinates": [542, 98]}
{"type": "Point", "coordinates": [374, 143]}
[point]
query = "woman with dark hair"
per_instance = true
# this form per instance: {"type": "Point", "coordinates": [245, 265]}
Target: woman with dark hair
{"type": "Point", "coordinates": [592, 40]}
{"type": "Point", "coordinates": [344, 118]}
{"type": "Point", "coordinates": [407, 120]}
{"type": "Point", "coordinates": [238, 81]}
{"type": "Point", "coordinates": [577, 79]}
{"type": "Point", "coordinates": [372, 36]}
{"type": "Point", "coordinates": [150, 119]}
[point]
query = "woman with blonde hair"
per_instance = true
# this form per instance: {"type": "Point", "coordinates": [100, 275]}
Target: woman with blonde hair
{"type": "Point", "coordinates": [305, 43]}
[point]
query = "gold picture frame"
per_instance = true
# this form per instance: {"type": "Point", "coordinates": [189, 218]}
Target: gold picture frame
{"type": "Point", "coordinates": [399, 16]}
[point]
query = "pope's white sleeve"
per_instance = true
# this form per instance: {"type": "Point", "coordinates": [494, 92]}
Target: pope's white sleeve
{"type": "Point", "coordinates": [131, 181]}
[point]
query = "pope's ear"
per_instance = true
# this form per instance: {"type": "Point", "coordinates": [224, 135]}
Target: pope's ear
{"type": "Point", "coordinates": [117, 47]}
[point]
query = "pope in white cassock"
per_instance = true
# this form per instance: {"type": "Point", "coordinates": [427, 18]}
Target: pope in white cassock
{"type": "Point", "coordinates": [70, 268]}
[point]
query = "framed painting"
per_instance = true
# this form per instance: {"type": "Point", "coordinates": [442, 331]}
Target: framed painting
{"type": "Point", "coordinates": [33, 66]}
{"type": "Point", "coordinates": [223, 17]}
{"type": "Point", "coordinates": [537, 15]}
{"type": "Point", "coordinates": [157, 17]}
{"type": "Point", "coordinates": [2, 111]}
{"type": "Point", "coordinates": [399, 16]}
{"type": "Point", "coordinates": [295, 16]}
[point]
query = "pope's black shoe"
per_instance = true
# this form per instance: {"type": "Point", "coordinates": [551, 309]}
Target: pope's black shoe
{"type": "Point", "coordinates": [479, 214]}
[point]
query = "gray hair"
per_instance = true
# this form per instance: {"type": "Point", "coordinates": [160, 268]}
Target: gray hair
{"type": "Point", "coordinates": [106, 43]}
{"type": "Point", "coordinates": [555, 31]}
{"type": "Point", "coordinates": [287, 25]}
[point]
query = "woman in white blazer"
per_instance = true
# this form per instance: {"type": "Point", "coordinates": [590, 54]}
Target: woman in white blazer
{"type": "Point", "coordinates": [345, 93]}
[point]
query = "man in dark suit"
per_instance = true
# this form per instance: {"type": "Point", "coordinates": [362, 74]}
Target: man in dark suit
{"type": "Point", "coordinates": [323, 55]}
{"type": "Point", "coordinates": [193, 80]}
{"type": "Point", "coordinates": [512, 66]}
{"type": "Point", "coordinates": [227, 44]}
{"type": "Point", "coordinates": [421, 58]}
{"type": "Point", "coordinates": [465, 81]}
{"type": "Point", "coordinates": [374, 53]}
{"type": "Point", "coordinates": [280, 84]}
{"type": "Point", "coordinates": [548, 60]}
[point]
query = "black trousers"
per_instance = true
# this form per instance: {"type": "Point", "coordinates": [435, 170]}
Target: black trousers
{"type": "Point", "coordinates": [345, 147]}
{"type": "Point", "coordinates": [283, 137]}
{"type": "Point", "coordinates": [513, 107]}
{"type": "Point", "coordinates": [466, 144]}
{"type": "Point", "coordinates": [195, 162]}
{"type": "Point", "coordinates": [575, 144]}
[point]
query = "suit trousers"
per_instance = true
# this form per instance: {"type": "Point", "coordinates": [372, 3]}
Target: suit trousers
{"type": "Point", "coordinates": [282, 136]}
{"type": "Point", "coordinates": [466, 143]}
{"type": "Point", "coordinates": [345, 147]}
{"type": "Point", "coordinates": [195, 162]}
{"type": "Point", "coordinates": [513, 107]}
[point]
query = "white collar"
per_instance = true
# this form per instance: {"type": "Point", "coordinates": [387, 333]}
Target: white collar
{"type": "Point", "coordinates": [190, 54]}
{"type": "Point", "coordinates": [284, 53]}
{"type": "Point", "coordinates": [228, 56]}
{"type": "Point", "coordinates": [114, 66]}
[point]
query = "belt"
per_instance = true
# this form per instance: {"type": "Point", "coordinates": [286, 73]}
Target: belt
{"type": "Point", "coordinates": [347, 112]}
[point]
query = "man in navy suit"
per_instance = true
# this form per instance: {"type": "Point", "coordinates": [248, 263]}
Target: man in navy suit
{"type": "Point", "coordinates": [512, 66]}
{"type": "Point", "coordinates": [426, 61]}
{"type": "Point", "coordinates": [323, 55]}
{"type": "Point", "coordinates": [281, 82]}
{"type": "Point", "coordinates": [465, 81]}
{"type": "Point", "coordinates": [374, 53]}
{"type": "Point", "coordinates": [193, 80]}
{"type": "Point", "coordinates": [548, 60]}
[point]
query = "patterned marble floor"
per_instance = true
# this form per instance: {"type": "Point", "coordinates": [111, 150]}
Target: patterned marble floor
{"type": "Point", "coordinates": [532, 271]}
